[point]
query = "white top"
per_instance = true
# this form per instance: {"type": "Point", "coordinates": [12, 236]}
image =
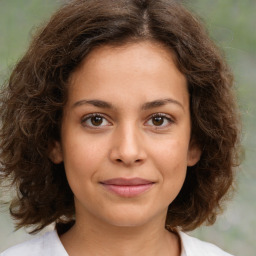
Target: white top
{"type": "Point", "coordinates": [50, 245]}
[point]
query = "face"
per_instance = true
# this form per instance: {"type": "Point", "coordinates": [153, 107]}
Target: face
{"type": "Point", "coordinates": [125, 137]}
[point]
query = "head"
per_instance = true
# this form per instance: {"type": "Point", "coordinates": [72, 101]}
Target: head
{"type": "Point", "coordinates": [34, 101]}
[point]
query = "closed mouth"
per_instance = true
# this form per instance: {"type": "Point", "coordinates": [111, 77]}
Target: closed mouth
{"type": "Point", "coordinates": [127, 187]}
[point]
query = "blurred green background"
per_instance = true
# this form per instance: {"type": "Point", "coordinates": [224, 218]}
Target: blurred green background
{"type": "Point", "coordinates": [232, 24]}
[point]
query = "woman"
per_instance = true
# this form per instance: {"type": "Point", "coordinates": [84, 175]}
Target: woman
{"type": "Point", "coordinates": [119, 125]}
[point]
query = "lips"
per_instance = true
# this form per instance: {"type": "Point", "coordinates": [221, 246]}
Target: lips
{"type": "Point", "coordinates": [127, 182]}
{"type": "Point", "coordinates": [127, 187]}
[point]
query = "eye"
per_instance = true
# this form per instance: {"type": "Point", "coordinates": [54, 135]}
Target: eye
{"type": "Point", "coordinates": [95, 120]}
{"type": "Point", "coordinates": [159, 120]}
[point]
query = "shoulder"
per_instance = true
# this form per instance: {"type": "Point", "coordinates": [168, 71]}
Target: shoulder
{"type": "Point", "coordinates": [194, 247]}
{"type": "Point", "coordinates": [48, 244]}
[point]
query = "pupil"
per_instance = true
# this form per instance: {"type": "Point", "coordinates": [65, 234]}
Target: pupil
{"type": "Point", "coordinates": [158, 120]}
{"type": "Point", "coordinates": [97, 120]}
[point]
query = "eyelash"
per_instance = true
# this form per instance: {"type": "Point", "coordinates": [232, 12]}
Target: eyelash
{"type": "Point", "coordinates": [162, 115]}
{"type": "Point", "coordinates": [88, 117]}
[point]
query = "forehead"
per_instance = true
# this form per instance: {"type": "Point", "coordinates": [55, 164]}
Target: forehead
{"type": "Point", "coordinates": [111, 56]}
{"type": "Point", "coordinates": [145, 48]}
{"type": "Point", "coordinates": [145, 69]}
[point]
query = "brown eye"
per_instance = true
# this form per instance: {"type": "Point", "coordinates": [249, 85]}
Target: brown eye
{"type": "Point", "coordinates": [158, 120]}
{"type": "Point", "coordinates": [96, 120]}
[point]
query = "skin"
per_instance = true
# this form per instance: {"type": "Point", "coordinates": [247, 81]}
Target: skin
{"type": "Point", "coordinates": [127, 142]}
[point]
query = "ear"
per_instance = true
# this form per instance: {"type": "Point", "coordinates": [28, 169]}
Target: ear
{"type": "Point", "coordinates": [55, 152]}
{"type": "Point", "coordinates": [194, 154]}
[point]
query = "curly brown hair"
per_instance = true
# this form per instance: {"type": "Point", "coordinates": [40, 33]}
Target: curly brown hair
{"type": "Point", "coordinates": [33, 100]}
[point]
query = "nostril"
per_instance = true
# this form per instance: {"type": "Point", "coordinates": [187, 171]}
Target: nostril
{"type": "Point", "coordinates": [121, 161]}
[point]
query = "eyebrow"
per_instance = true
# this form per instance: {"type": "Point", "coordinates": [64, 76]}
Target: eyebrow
{"type": "Point", "coordinates": [145, 106]}
{"type": "Point", "coordinates": [159, 103]}
{"type": "Point", "coordinates": [96, 103]}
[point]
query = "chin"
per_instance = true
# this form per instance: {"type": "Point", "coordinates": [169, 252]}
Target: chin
{"type": "Point", "coordinates": [129, 218]}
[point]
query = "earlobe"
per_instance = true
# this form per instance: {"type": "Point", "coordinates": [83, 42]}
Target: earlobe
{"type": "Point", "coordinates": [194, 154]}
{"type": "Point", "coordinates": [55, 152]}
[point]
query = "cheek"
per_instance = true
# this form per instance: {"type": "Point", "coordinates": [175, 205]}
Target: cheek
{"type": "Point", "coordinates": [83, 152]}
{"type": "Point", "coordinates": [172, 153]}
{"type": "Point", "coordinates": [170, 159]}
{"type": "Point", "coordinates": [81, 162]}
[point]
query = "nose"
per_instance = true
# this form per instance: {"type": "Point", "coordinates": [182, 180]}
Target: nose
{"type": "Point", "coordinates": [127, 146]}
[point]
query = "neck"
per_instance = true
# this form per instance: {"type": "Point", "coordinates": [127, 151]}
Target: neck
{"type": "Point", "coordinates": [101, 239]}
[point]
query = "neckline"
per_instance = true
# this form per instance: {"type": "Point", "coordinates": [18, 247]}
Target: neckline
{"type": "Point", "coordinates": [62, 248]}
